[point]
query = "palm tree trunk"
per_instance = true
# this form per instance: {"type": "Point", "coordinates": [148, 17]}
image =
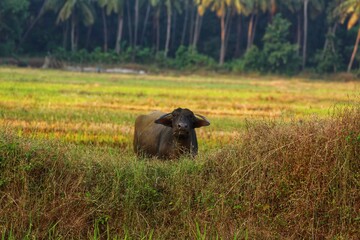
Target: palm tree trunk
{"type": "Point", "coordinates": [192, 26]}
{"type": "Point", "coordinates": [250, 29]}
{"type": "Point", "coordinates": [136, 22]}
{"type": "Point", "coordinates": [196, 31]}
{"type": "Point", "coordinates": [173, 31]}
{"type": "Point", "coordinates": [88, 36]}
{"type": "Point", "coordinates": [298, 34]}
{"type": "Point", "coordinates": [119, 33]}
{"type": "Point", "coordinates": [199, 30]}
{"type": "Point", "coordinates": [254, 29]}
{"type": "Point", "coordinates": [33, 23]}
{"type": "Point", "coordinates": [238, 36]}
{"type": "Point", "coordinates": [157, 34]}
{"type": "Point", "coordinates": [354, 51]}
{"type": "Point", "coordinates": [306, 3]}
{"type": "Point", "coordinates": [77, 36]}
{"type": "Point", "coordinates": [157, 26]}
{"type": "Point", "coordinates": [73, 29]}
{"type": "Point", "coordinates": [272, 10]}
{"type": "Point", "coordinates": [333, 32]}
{"type": "Point", "coordinates": [185, 23]}
{"type": "Point", "coordinates": [129, 23]}
{"type": "Point", "coordinates": [168, 32]}
{"type": "Point", "coordinates": [103, 15]}
{"type": "Point", "coordinates": [65, 35]}
{"type": "Point", "coordinates": [228, 23]}
{"type": "Point", "coordinates": [136, 25]}
{"type": "Point", "coordinates": [223, 32]}
{"type": "Point", "coordinates": [145, 23]}
{"type": "Point", "coordinates": [328, 41]}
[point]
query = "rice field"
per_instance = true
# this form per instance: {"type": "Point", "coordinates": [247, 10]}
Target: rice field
{"type": "Point", "coordinates": [100, 109]}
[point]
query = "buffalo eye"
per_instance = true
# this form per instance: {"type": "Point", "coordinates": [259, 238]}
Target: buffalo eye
{"type": "Point", "coordinates": [175, 114]}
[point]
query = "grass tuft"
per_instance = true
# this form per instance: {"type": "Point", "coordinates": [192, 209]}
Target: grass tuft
{"type": "Point", "coordinates": [298, 179]}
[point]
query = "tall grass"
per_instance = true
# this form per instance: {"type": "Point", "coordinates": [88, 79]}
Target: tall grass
{"type": "Point", "coordinates": [296, 180]}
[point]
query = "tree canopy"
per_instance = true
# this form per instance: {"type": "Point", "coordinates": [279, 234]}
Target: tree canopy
{"type": "Point", "coordinates": [219, 29]}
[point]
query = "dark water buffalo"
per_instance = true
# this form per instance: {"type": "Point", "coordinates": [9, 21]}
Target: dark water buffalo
{"type": "Point", "coordinates": [167, 135]}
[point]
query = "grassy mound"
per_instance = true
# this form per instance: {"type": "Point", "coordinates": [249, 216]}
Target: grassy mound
{"type": "Point", "coordinates": [278, 180]}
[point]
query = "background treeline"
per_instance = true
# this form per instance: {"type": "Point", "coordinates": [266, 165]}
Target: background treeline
{"type": "Point", "coordinates": [281, 36]}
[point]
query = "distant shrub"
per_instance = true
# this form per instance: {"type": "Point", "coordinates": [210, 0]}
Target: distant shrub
{"type": "Point", "coordinates": [100, 57]}
{"type": "Point", "coordinates": [280, 55]}
{"type": "Point", "coordinates": [161, 61]}
{"type": "Point", "coordinates": [329, 60]}
{"type": "Point", "coordinates": [81, 56]}
{"type": "Point", "coordinates": [126, 54]}
{"type": "Point", "coordinates": [277, 55]}
{"type": "Point", "coordinates": [252, 61]}
{"type": "Point", "coordinates": [144, 55]}
{"type": "Point", "coordinates": [187, 58]}
{"type": "Point", "coordinates": [7, 48]}
{"type": "Point", "coordinates": [357, 73]}
{"type": "Point", "coordinates": [60, 54]}
{"type": "Point", "coordinates": [95, 57]}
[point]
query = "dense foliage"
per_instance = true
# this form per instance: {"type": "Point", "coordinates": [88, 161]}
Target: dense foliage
{"type": "Point", "coordinates": [186, 33]}
{"type": "Point", "coordinates": [278, 54]}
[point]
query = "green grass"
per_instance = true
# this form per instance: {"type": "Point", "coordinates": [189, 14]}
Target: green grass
{"type": "Point", "coordinates": [280, 159]}
{"type": "Point", "coordinates": [40, 100]}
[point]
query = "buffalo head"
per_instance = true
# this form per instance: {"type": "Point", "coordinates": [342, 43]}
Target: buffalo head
{"type": "Point", "coordinates": [182, 121]}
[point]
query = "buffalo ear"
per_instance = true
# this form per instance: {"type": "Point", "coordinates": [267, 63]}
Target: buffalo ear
{"type": "Point", "coordinates": [201, 121]}
{"type": "Point", "coordinates": [165, 120]}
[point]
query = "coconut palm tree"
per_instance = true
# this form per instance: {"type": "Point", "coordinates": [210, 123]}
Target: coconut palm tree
{"type": "Point", "coordinates": [117, 7]}
{"type": "Point", "coordinates": [351, 9]}
{"type": "Point", "coordinates": [103, 4]}
{"type": "Point", "coordinates": [223, 9]}
{"type": "Point", "coordinates": [295, 7]}
{"type": "Point", "coordinates": [306, 4]}
{"type": "Point", "coordinates": [169, 10]}
{"type": "Point", "coordinates": [157, 6]}
{"type": "Point", "coordinates": [253, 8]}
{"type": "Point", "coordinates": [318, 6]}
{"type": "Point", "coordinates": [136, 22]}
{"type": "Point", "coordinates": [186, 8]}
{"type": "Point", "coordinates": [196, 27]}
{"type": "Point", "coordinates": [145, 25]}
{"type": "Point", "coordinates": [220, 7]}
{"type": "Point", "coordinates": [75, 11]}
{"type": "Point", "coordinates": [170, 6]}
{"type": "Point", "coordinates": [41, 12]}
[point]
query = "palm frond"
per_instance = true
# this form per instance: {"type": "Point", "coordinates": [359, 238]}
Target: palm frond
{"type": "Point", "coordinates": [353, 20]}
{"type": "Point", "coordinates": [87, 13]}
{"type": "Point", "coordinates": [66, 11]}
